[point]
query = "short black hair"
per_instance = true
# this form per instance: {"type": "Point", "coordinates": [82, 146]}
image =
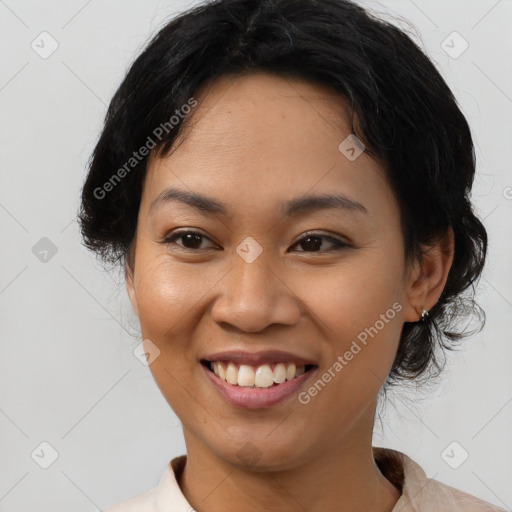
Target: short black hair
{"type": "Point", "coordinates": [406, 116]}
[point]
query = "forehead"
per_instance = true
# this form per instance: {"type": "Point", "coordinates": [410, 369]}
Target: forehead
{"type": "Point", "coordinates": [254, 107]}
{"type": "Point", "coordinates": [262, 138]}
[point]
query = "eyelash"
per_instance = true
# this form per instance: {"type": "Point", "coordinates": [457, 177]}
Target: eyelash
{"type": "Point", "coordinates": [338, 244]}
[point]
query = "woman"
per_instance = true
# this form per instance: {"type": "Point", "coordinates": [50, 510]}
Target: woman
{"type": "Point", "coordinates": [286, 184]}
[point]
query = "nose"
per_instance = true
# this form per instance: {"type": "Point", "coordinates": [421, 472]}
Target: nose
{"type": "Point", "coordinates": [251, 297]}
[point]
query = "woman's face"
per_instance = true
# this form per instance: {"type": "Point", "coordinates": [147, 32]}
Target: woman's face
{"type": "Point", "coordinates": [251, 280]}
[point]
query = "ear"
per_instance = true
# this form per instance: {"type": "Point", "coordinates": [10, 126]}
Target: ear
{"type": "Point", "coordinates": [130, 287]}
{"type": "Point", "coordinates": [427, 278]}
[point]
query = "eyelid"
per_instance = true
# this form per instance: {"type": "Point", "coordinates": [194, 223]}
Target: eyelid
{"type": "Point", "coordinates": [336, 240]}
{"type": "Point", "coordinates": [324, 234]}
{"type": "Point", "coordinates": [167, 239]}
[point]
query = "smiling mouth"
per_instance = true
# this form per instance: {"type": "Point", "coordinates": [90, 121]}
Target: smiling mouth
{"type": "Point", "coordinates": [261, 376]}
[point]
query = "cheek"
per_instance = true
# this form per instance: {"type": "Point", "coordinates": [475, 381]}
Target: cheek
{"type": "Point", "coordinates": [354, 295]}
{"type": "Point", "coordinates": [358, 307]}
{"type": "Point", "coordinates": [166, 293]}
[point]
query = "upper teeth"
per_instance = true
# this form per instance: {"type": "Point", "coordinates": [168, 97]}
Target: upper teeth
{"type": "Point", "coordinates": [262, 376]}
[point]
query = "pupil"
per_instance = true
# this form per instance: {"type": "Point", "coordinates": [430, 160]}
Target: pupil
{"type": "Point", "coordinates": [189, 237]}
{"type": "Point", "coordinates": [315, 246]}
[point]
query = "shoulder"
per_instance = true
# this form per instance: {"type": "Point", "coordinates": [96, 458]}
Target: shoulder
{"type": "Point", "coordinates": [166, 496]}
{"type": "Point", "coordinates": [141, 503]}
{"type": "Point", "coordinates": [459, 500]}
{"type": "Point", "coordinates": [423, 494]}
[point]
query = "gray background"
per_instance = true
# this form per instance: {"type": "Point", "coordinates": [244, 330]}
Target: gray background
{"type": "Point", "coordinates": [68, 374]}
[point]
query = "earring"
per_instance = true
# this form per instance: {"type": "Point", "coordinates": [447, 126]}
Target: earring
{"type": "Point", "coordinates": [424, 315]}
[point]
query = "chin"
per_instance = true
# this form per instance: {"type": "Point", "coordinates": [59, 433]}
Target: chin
{"type": "Point", "coordinates": [264, 454]}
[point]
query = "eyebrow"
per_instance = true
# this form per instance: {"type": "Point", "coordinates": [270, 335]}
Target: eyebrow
{"type": "Point", "coordinates": [293, 207]}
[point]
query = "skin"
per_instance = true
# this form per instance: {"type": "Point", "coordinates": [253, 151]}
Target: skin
{"type": "Point", "coordinates": [254, 143]}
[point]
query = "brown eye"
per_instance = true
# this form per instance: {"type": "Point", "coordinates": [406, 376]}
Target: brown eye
{"type": "Point", "coordinates": [189, 239]}
{"type": "Point", "coordinates": [313, 243]}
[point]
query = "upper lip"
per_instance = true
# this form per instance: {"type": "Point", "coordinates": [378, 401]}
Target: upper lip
{"type": "Point", "coordinates": [258, 358]}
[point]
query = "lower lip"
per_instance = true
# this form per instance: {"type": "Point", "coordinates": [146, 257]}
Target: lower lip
{"type": "Point", "coordinates": [257, 398]}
